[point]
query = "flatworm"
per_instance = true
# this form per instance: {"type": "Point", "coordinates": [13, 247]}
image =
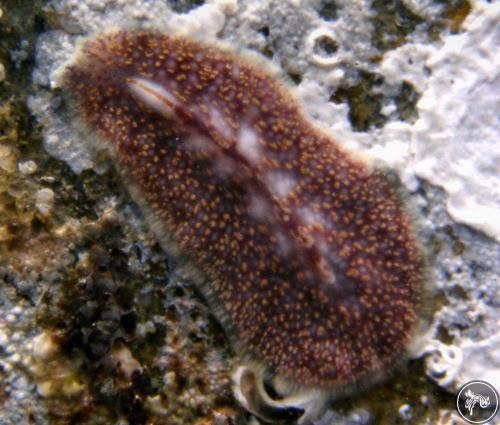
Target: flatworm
{"type": "Point", "coordinates": [307, 249]}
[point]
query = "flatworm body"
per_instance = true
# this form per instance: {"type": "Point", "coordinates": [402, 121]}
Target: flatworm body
{"type": "Point", "coordinates": [307, 250]}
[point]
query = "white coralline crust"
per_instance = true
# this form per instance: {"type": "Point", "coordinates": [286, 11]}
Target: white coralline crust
{"type": "Point", "coordinates": [456, 138]}
{"type": "Point", "coordinates": [454, 141]}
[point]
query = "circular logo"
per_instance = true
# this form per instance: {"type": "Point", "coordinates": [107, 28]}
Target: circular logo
{"type": "Point", "coordinates": [477, 402]}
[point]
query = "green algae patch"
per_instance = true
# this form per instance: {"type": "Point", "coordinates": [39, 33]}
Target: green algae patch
{"type": "Point", "coordinates": [393, 22]}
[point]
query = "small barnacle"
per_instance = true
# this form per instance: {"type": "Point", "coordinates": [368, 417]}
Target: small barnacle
{"type": "Point", "coordinates": [307, 254]}
{"type": "Point", "coordinates": [322, 46]}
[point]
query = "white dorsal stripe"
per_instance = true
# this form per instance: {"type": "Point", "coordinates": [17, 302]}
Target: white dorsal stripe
{"type": "Point", "coordinates": [281, 184]}
{"type": "Point", "coordinates": [247, 144]}
{"type": "Point", "coordinates": [153, 95]}
{"type": "Point", "coordinates": [219, 123]}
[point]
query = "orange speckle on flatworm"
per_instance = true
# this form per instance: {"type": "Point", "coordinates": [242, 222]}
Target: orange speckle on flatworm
{"type": "Point", "coordinates": [307, 249]}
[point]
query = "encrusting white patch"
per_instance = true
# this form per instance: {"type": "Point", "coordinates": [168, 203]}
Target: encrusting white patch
{"type": "Point", "coordinates": [247, 144]}
{"type": "Point", "coordinates": [153, 95]}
